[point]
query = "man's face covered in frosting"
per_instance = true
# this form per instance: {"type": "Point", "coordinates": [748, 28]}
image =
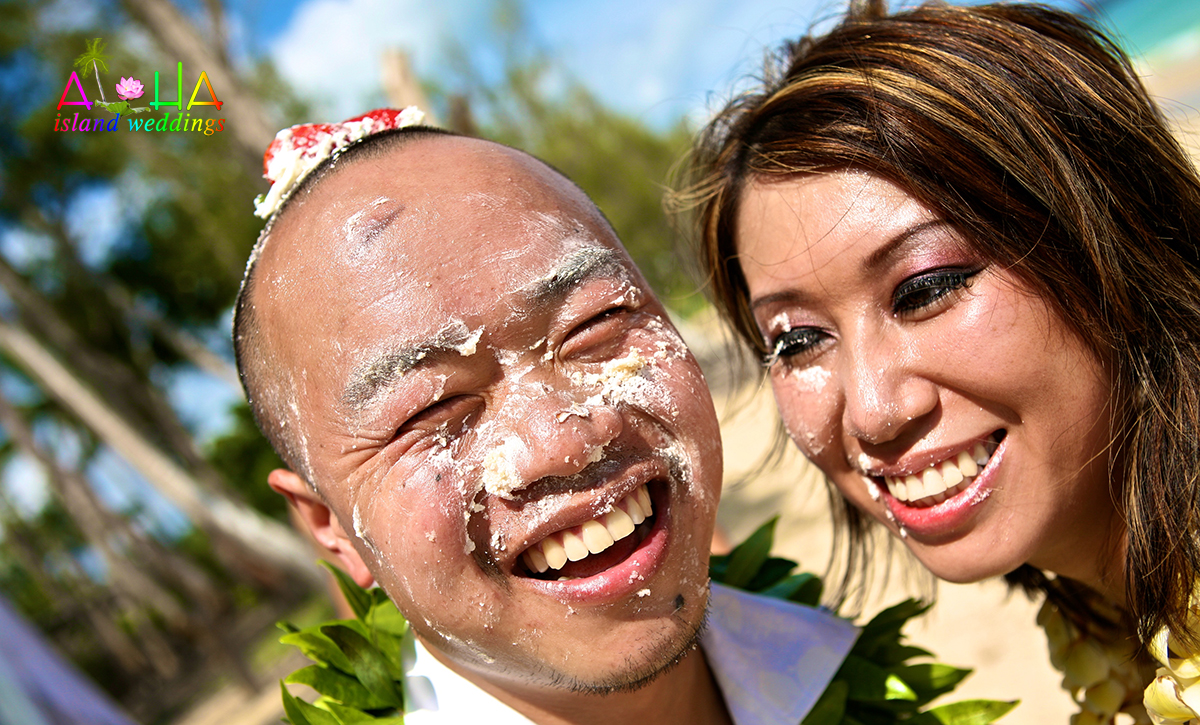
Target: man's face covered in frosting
{"type": "Point", "coordinates": [506, 431]}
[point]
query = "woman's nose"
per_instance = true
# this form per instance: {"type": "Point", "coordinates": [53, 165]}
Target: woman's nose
{"type": "Point", "coordinates": [885, 396]}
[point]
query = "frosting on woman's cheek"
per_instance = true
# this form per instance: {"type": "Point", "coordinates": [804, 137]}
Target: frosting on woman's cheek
{"type": "Point", "coordinates": [806, 398]}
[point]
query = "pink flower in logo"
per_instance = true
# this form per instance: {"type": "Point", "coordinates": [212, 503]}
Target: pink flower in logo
{"type": "Point", "coordinates": [130, 88]}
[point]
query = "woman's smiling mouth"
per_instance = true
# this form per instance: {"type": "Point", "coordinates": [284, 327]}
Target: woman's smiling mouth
{"type": "Point", "coordinates": [941, 480]}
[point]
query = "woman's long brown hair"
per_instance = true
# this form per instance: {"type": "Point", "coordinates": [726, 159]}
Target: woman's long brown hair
{"type": "Point", "coordinates": [1029, 131]}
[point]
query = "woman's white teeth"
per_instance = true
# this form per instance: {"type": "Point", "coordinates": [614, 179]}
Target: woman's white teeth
{"type": "Point", "coordinates": [593, 537]}
{"type": "Point", "coordinates": [939, 478]}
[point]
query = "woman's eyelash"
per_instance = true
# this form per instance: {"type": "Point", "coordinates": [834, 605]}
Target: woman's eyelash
{"type": "Point", "coordinates": [791, 343]}
{"type": "Point", "coordinates": [923, 290]}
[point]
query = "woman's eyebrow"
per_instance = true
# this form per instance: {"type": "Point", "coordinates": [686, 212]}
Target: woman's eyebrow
{"type": "Point", "coordinates": [882, 256]}
{"type": "Point", "coordinates": [871, 265]}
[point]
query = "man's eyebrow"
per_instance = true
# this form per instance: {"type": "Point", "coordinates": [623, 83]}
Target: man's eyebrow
{"type": "Point", "coordinates": [378, 373]}
{"type": "Point", "coordinates": [573, 270]}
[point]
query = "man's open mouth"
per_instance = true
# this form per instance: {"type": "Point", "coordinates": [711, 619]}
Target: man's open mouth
{"type": "Point", "coordinates": [594, 546]}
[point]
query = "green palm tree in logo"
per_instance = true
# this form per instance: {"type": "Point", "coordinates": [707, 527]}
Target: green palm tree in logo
{"type": "Point", "coordinates": [94, 56]}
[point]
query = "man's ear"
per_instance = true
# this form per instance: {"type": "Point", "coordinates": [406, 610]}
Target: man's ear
{"type": "Point", "coordinates": [321, 522]}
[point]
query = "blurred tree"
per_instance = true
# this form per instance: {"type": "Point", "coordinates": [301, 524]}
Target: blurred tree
{"type": "Point", "coordinates": [92, 322]}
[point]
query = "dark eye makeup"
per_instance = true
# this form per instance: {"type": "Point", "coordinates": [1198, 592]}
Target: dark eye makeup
{"type": "Point", "coordinates": [920, 294]}
{"type": "Point", "coordinates": [922, 291]}
{"type": "Point", "coordinates": [793, 343]}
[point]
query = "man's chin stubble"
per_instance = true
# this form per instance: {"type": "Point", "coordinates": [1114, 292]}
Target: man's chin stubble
{"type": "Point", "coordinates": [639, 675]}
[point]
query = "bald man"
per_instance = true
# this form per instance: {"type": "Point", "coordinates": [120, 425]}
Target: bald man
{"type": "Point", "coordinates": [487, 412]}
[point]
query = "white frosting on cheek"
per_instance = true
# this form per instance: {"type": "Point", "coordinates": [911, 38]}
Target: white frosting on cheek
{"type": "Point", "coordinates": [806, 399]}
{"type": "Point", "coordinates": [810, 380]}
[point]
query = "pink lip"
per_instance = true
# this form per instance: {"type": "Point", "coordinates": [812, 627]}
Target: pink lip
{"type": "Point", "coordinates": [950, 516]}
{"type": "Point", "coordinates": [623, 579]}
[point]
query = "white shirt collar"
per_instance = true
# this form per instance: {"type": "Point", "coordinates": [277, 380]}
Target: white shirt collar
{"type": "Point", "coordinates": [772, 659]}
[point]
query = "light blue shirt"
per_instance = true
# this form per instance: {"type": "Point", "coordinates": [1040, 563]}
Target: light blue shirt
{"type": "Point", "coordinates": [771, 659]}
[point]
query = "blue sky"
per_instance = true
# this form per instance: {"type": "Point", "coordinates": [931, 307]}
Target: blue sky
{"type": "Point", "coordinates": [654, 59]}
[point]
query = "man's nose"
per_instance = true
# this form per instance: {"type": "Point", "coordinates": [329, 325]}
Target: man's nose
{"type": "Point", "coordinates": [884, 395]}
{"type": "Point", "coordinates": [562, 436]}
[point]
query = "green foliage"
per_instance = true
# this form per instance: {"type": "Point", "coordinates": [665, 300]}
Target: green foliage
{"type": "Point", "coordinates": [876, 684]}
{"type": "Point", "coordinates": [121, 107]}
{"type": "Point", "coordinates": [359, 670]}
{"type": "Point", "coordinates": [94, 56]}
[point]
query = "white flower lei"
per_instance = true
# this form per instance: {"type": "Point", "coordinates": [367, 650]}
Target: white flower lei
{"type": "Point", "coordinates": [1174, 694]}
{"type": "Point", "coordinates": [1105, 678]}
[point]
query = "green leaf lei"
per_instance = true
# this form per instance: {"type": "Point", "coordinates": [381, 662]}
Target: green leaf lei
{"type": "Point", "coordinates": [360, 663]}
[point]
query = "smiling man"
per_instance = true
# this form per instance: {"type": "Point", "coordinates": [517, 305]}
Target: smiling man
{"type": "Point", "coordinates": [489, 415]}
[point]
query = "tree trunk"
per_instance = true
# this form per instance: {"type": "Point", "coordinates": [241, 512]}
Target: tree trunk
{"type": "Point", "coordinates": [130, 396]}
{"type": "Point", "coordinates": [255, 536]}
{"type": "Point", "coordinates": [116, 641]}
{"type": "Point", "coordinates": [98, 83]}
{"type": "Point", "coordinates": [95, 523]}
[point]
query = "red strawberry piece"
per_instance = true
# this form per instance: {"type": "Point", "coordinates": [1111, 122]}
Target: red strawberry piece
{"type": "Point", "coordinates": [387, 116]}
{"type": "Point", "coordinates": [302, 137]}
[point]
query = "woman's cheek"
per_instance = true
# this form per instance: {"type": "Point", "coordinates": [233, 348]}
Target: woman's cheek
{"type": "Point", "coordinates": [806, 402]}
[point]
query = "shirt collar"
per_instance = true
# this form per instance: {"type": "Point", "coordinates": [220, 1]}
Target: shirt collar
{"type": "Point", "coordinates": [771, 658]}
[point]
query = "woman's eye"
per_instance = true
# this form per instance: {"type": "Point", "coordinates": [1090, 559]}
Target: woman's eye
{"type": "Point", "coordinates": [923, 291]}
{"type": "Point", "coordinates": [794, 343]}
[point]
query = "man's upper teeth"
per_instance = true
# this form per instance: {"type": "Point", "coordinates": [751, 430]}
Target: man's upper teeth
{"type": "Point", "coordinates": [592, 537]}
{"type": "Point", "coordinates": [939, 478]}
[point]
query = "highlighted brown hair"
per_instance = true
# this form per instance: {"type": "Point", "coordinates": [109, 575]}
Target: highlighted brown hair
{"type": "Point", "coordinates": [1028, 130]}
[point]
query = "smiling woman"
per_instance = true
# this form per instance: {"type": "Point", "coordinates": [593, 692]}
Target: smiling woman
{"type": "Point", "coordinates": [964, 243]}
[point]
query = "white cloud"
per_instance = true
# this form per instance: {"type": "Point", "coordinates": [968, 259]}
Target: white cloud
{"type": "Point", "coordinates": [330, 50]}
